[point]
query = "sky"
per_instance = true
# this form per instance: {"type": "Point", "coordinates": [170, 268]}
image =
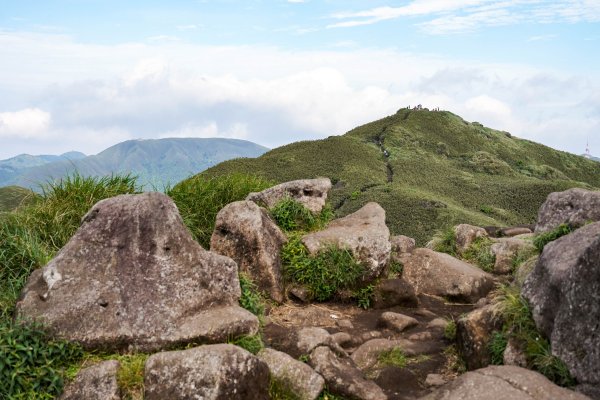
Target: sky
{"type": "Point", "coordinates": [86, 74]}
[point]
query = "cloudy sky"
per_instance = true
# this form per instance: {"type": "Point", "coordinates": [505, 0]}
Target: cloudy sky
{"type": "Point", "coordinates": [86, 74]}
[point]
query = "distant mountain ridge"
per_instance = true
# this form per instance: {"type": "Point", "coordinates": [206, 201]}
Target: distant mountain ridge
{"type": "Point", "coordinates": [156, 162]}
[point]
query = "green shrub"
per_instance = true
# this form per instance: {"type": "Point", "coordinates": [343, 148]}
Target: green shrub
{"type": "Point", "coordinates": [496, 347]}
{"type": "Point", "coordinates": [200, 198]}
{"type": "Point", "coordinates": [479, 252]}
{"type": "Point", "coordinates": [364, 296]}
{"type": "Point", "coordinates": [251, 299]}
{"type": "Point", "coordinates": [445, 242]}
{"type": "Point", "coordinates": [394, 357]}
{"type": "Point", "coordinates": [252, 343]}
{"type": "Point", "coordinates": [324, 274]}
{"type": "Point", "coordinates": [32, 363]}
{"type": "Point", "coordinates": [543, 239]}
{"type": "Point", "coordinates": [450, 330]}
{"type": "Point", "coordinates": [291, 215]}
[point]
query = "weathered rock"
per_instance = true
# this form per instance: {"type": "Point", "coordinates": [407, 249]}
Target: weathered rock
{"type": "Point", "coordinates": [516, 231]}
{"type": "Point", "coordinates": [363, 232]}
{"type": "Point", "coordinates": [466, 234]}
{"type": "Point", "coordinates": [295, 375]}
{"type": "Point", "coordinates": [396, 321]}
{"type": "Point", "coordinates": [344, 324]}
{"type": "Point", "coordinates": [365, 356]}
{"type": "Point", "coordinates": [98, 382]}
{"type": "Point", "coordinates": [575, 207]}
{"type": "Point", "coordinates": [133, 277]}
{"type": "Point", "coordinates": [312, 193]}
{"type": "Point", "coordinates": [312, 337]}
{"type": "Point", "coordinates": [564, 292]}
{"type": "Point", "coordinates": [342, 377]}
{"type": "Point", "coordinates": [473, 334]}
{"type": "Point", "coordinates": [514, 354]}
{"type": "Point", "coordinates": [438, 323]}
{"type": "Point", "coordinates": [525, 269]}
{"type": "Point", "coordinates": [434, 380]}
{"type": "Point", "coordinates": [402, 244]}
{"type": "Point", "coordinates": [505, 250]}
{"type": "Point", "coordinates": [246, 233]}
{"type": "Point", "coordinates": [502, 382]}
{"type": "Point", "coordinates": [394, 292]}
{"type": "Point", "coordinates": [219, 371]}
{"type": "Point", "coordinates": [439, 274]}
{"type": "Point", "coordinates": [342, 338]}
{"type": "Point", "coordinates": [298, 292]}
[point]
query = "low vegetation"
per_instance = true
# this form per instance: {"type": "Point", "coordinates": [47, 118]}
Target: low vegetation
{"type": "Point", "coordinates": [200, 198]}
{"type": "Point", "coordinates": [518, 325]}
{"type": "Point", "coordinates": [290, 215]}
{"type": "Point", "coordinates": [480, 254]}
{"type": "Point", "coordinates": [12, 197]}
{"type": "Point", "coordinates": [543, 239]}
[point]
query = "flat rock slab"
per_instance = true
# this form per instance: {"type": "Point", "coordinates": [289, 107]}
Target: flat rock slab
{"type": "Point", "coordinates": [132, 277]}
{"type": "Point", "coordinates": [343, 377]}
{"type": "Point", "coordinates": [312, 193]}
{"type": "Point", "coordinates": [293, 374]}
{"type": "Point", "coordinates": [246, 233]}
{"type": "Point", "coordinates": [564, 293]}
{"type": "Point", "coordinates": [363, 232]}
{"type": "Point", "coordinates": [575, 207]}
{"type": "Point", "coordinates": [212, 372]}
{"type": "Point", "coordinates": [98, 382]}
{"type": "Point", "coordinates": [502, 382]}
{"type": "Point", "coordinates": [442, 275]}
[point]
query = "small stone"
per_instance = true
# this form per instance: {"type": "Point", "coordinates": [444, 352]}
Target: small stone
{"type": "Point", "coordinates": [344, 324]}
{"type": "Point", "coordinates": [397, 322]}
{"type": "Point", "coordinates": [98, 382]}
{"type": "Point", "coordinates": [434, 380]}
{"type": "Point", "coordinates": [421, 336]}
{"type": "Point", "coordinates": [437, 323]}
{"type": "Point", "coordinates": [342, 338]}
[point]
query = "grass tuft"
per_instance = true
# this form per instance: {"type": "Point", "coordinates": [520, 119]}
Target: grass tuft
{"type": "Point", "coordinates": [543, 239]}
{"type": "Point", "coordinates": [252, 343]}
{"type": "Point", "coordinates": [251, 298]}
{"type": "Point", "coordinates": [445, 242]}
{"type": "Point", "coordinates": [479, 253]}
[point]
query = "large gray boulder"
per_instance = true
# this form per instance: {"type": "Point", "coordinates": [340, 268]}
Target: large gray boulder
{"type": "Point", "coordinates": [343, 377]}
{"type": "Point", "coordinates": [504, 382]}
{"type": "Point", "coordinates": [575, 207]}
{"type": "Point", "coordinates": [312, 193]}
{"type": "Point", "coordinates": [564, 292]}
{"type": "Point", "coordinates": [98, 382]}
{"type": "Point", "coordinates": [295, 375]}
{"type": "Point", "coordinates": [440, 274]}
{"type": "Point", "coordinates": [132, 277]}
{"type": "Point", "coordinates": [364, 232]}
{"type": "Point", "coordinates": [212, 372]}
{"type": "Point", "coordinates": [246, 233]}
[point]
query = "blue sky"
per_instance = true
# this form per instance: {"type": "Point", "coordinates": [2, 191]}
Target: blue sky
{"type": "Point", "coordinates": [85, 74]}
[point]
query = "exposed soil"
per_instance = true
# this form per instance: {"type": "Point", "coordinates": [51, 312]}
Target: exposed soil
{"type": "Point", "coordinates": [399, 383]}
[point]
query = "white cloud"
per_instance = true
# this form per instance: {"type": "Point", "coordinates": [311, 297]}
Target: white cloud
{"type": "Point", "coordinates": [267, 95]}
{"type": "Point", "coordinates": [27, 123]}
{"type": "Point", "coordinates": [453, 16]}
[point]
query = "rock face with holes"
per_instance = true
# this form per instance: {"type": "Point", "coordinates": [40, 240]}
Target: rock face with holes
{"type": "Point", "coordinates": [312, 193]}
{"type": "Point", "coordinates": [502, 382]}
{"type": "Point", "coordinates": [98, 382]}
{"type": "Point", "coordinates": [574, 207]}
{"type": "Point", "coordinates": [364, 232]}
{"type": "Point", "coordinates": [246, 233]}
{"type": "Point", "coordinates": [132, 277]}
{"type": "Point", "coordinates": [439, 274]}
{"type": "Point", "coordinates": [564, 292]}
{"type": "Point", "coordinates": [213, 372]}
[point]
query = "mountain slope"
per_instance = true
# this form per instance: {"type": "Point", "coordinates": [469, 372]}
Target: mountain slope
{"type": "Point", "coordinates": [12, 167]}
{"type": "Point", "coordinates": [157, 162]}
{"type": "Point", "coordinates": [429, 170]}
{"type": "Point", "coordinates": [12, 196]}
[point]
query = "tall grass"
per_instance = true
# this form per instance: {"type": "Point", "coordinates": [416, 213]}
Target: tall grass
{"type": "Point", "coordinates": [200, 198]}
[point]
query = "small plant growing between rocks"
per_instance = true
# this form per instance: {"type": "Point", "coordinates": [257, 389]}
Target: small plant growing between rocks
{"type": "Point", "coordinates": [479, 252]}
{"type": "Point", "coordinates": [324, 274]}
{"type": "Point", "coordinates": [450, 330]}
{"type": "Point", "coordinates": [252, 343]}
{"type": "Point", "coordinates": [445, 242]}
{"type": "Point", "coordinates": [514, 310]}
{"type": "Point", "coordinates": [251, 299]}
{"type": "Point", "coordinates": [394, 357]}
{"type": "Point", "coordinates": [364, 296]}
{"type": "Point", "coordinates": [496, 348]}
{"type": "Point", "coordinates": [279, 390]}
{"type": "Point", "coordinates": [543, 239]}
{"type": "Point", "coordinates": [394, 269]}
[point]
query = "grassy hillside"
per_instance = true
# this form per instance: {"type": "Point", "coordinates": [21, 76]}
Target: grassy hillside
{"type": "Point", "coordinates": [12, 196]}
{"type": "Point", "coordinates": [429, 170]}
